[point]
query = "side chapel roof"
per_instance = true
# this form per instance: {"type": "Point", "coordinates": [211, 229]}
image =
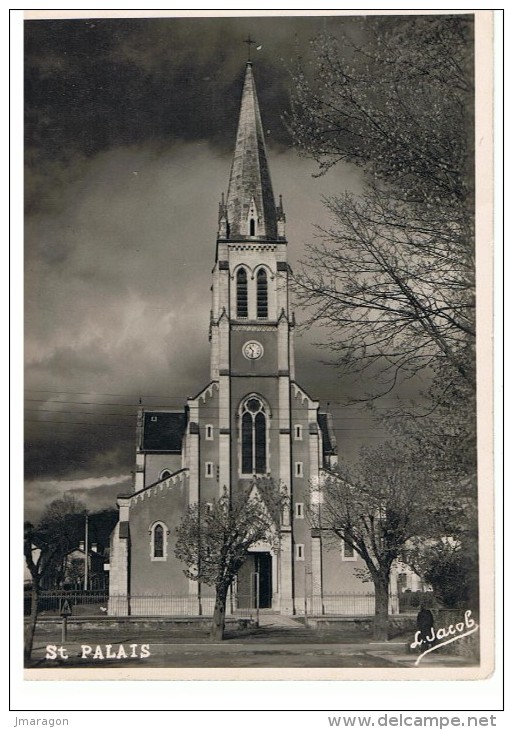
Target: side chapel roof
{"type": "Point", "coordinates": [163, 431]}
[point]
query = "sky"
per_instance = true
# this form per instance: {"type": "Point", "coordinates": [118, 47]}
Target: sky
{"type": "Point", "coordinates": [130, 126]}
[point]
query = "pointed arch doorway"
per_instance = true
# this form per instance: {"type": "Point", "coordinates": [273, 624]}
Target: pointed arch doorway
{"type": "Point", "coordinates": [255, 581]}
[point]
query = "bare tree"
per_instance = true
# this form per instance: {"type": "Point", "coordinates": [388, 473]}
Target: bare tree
{"type": "Point", "coordinates": [214, 538]}
{"type": "Point", "coordinates": [394, 96]}
{"type": "Point", "coordinates": [44, 547]}
{"type": "Point", "coordinates": [395, 292]}
{"type": "Point", "coordinates": [393, 277]}
{"type": "Point", "coordinates": [377, 508]}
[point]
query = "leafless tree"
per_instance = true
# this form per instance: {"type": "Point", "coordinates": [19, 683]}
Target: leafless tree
{"type": "Point", "coordinates": [377, 507]}
{"type": "Point", "coordinates": [393, 277]}
{"type": "Point", "coordinates": [44, 547]}
{"type": "Point", "coordinates": [214, 538]}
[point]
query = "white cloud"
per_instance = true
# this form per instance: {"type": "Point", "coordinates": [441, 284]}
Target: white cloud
{"type": "Point", "coordinates": [95, 492]}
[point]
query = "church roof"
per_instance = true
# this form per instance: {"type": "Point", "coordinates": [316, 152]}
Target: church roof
{"type": "Point", "coordinates": [163, 431]}
{"type": "Point", "coordinates": [250, 193]}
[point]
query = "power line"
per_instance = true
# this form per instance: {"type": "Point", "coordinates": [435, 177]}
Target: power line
{"type": "Point", "coordinates": [372, 423]}
{"type": "Point", "coordinates": [352, 429]}
{"type": "Point", "coordinates": [82, 402]}
{"type": "Point", "coordinates": [79, 413]}
{"type": "Point", "coordinates": [109, 395]}
{"type": "Point", "coordinates": [167, 408]}
{"type": "Point", "coordinates": [178, 398]}
{"type": "Point", "coordinates": [59, 412]}
{"type": "Point", "coordinates": [79, 423]}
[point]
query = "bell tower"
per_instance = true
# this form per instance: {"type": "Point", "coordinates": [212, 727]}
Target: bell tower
{"type": "Point", "coordinates": [250, 276]}
{"type": "Point", "coordinates": [251, 328]}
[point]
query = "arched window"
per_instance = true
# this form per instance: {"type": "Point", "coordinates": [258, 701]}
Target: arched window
{"type": "Point", "coordinates": [252, 227]}
{"type": "Point", "coordinates": [165, 474]}
{"type": "Point", "coordinates": [158, 541]}
{"type": "Point", "coordinates": [242, 293]}
{"type": "Point", "coordinates": [262, 294]}
{"type": "Point", "coordinates": [158, 546]}
{"type": "Point", "coordinates": [254, 436]}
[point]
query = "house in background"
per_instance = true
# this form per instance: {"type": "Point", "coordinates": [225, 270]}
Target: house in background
{"type": "Point", "coordinates": [73, 573]}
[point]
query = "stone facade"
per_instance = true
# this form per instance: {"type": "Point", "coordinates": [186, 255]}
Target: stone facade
{"type": "Point", "coordinates": [253, 418]}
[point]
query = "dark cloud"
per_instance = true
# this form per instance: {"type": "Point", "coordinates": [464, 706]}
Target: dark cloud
{"type": "Point", "coordinates": [118, 292]}
{"type": "Point", "coordinates": [93, 85]}
{"type": "Point", "coordinates": [130, 128]}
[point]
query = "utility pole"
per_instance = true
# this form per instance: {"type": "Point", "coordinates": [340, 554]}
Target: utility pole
{"type": "Point", "coordinates": [86, 553]}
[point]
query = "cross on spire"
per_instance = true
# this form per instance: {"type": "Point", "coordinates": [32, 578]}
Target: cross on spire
{"type": "Point", "coordinates": [250, 43]}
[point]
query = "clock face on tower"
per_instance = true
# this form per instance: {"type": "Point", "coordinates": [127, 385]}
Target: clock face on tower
{"type": "Point", "coordinates": [252, 350]}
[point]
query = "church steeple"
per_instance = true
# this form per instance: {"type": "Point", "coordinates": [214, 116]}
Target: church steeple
{"type": "Point", "coordinates": [250, 210]}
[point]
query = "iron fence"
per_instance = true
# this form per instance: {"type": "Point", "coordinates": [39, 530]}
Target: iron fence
{"type": "Point", "coordinates": [173, 605]}
{"type": "Point", "coordinates": [82, 603]}
{"type": "Point", "coordinates": [100, 603]}
{"type": "Point", "coordinates": [241, 605]}
{"type": "Point", "coordinates": [346, 604]}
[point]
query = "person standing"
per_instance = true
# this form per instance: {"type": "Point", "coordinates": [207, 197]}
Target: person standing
{"type": "Point", "coordinates": [426, 627]}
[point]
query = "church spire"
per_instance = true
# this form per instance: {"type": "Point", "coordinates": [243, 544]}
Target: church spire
{"type": "Point", "coordinates": [250, 208]}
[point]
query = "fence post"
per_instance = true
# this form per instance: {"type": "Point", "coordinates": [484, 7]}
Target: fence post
{"type": "Point", "coordinates": [308, 572]}
{"type": "Point", "coordinates": [258, 600]}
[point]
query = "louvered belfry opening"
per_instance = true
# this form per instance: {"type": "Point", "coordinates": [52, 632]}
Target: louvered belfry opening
{"type": "Point", "coordinates": [242, 294]}
{"type": "Point", "coordinates": [262, 305]}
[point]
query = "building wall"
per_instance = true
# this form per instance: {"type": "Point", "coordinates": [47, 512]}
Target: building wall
{"type": "Point", "coordinates": [267, 364]}
{"type": "Point", "coordinates": [208, 408]}
{"type": "Point", "coordinates": [118, 561]}
{"type": "Point", "coordinates": [165, 503]}
{"type": "Point", "coordinates": [338, 574]}
{"type": "Point", "coordinates": [156, 463]}
{"type": "Point", "coordinates": [301, 527]}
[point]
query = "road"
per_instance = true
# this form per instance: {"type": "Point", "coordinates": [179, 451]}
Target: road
{"type": "Point", "coordinates": [277, 643]}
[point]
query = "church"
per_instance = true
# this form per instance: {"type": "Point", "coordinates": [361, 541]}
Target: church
{"type": "Point", "coordinates": [251, 419]}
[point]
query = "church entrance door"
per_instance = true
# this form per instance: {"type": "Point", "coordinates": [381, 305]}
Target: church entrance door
{"type": "Point", "coordinates": [254, 582]}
